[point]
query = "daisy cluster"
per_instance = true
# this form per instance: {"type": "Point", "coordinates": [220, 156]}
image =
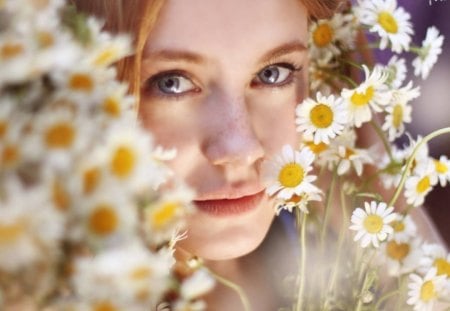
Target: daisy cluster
{"type": "Point", "coordinates": [352, 96]}
{"type": "Point", "coordinates": [83, 222]}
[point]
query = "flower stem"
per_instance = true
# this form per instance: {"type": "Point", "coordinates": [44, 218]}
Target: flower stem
{"type": "Point", "coordinates": [327, 207]}
{"type": "Point", "coordinates": [301, 287]}
{"type": "Point", "coordinates": [235, 287]}
{"type": "Point", "coordinates": [445, 130]}
{"type": "Point", "coordinates": [380, 133]}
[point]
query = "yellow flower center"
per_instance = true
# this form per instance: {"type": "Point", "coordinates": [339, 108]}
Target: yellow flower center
{"type": "Point", "coordinates": [11, 50]}
{"type": "Point", "coordinates": [104, 306]}
{"type": "Point", "coordinates": [423, 185]}
{"type": "Point", "coordinates": [103, 220]}
{"type": "Point", "coordinates": [316, 148]}
{"type": "Point", "coordinates": [373, 223]}
{"type": "Point", "coordinates": [321, 116]}
{"type": "Point", "coordinates": [10, 155]}
{"type": "Point", "coordinates": [349, 152]}
{"type": "Point", "coordinates": [91, 178]}
{"type": "Point", "coordinates": [427, 291]}
{"type": "Point", "coordinates": [291, 175]}
{"type": "Point", "coordinates": [323, 35]}
{"type": "Point", "coordinates": [397, 116]}
{"type": "Point", "coordinates": [60, 135]}
{"type": "Point", "coordinates": [123, 161]}
{"type": "Point", "coordinates": [397, 251]}
{"type": "Point", "coordinates": [440, 167]}
{"type": "Point", "coordinates": [106, 57]}
{"type": "Point", "coordinates": [362, 99]}
{"type": "Point", "coordinates": [442, 267]}
{"type": "Point", "coordinates": [163, 214]}
{"type": "Point", "coordinates": [141, 273]}
{"type": "Point", "coordinates": [3, 128]}
{"type": "Point", "coordinates": [45, 39]}
{"type": "Point", "coordinates": [388, 22]}
{"type": "Point", "coordinates": [60, 196]}
{"type": "Point", "coordinates": [111, 106]}
{"type": "Point", "coordinates": [81, 82]}
{"type": "Point", "coordinates": [10, 233]}
{"type": "Point", "coordinates": [398, 226]}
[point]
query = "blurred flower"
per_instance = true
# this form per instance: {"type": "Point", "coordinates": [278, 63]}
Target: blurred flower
{"type": "Point", "coordinates": [442, 167]}
{"type": "Point", "coordinates": [402, 257]}
{"type": "Point", "coordinates": [428, 53]}
{"type": "Point", "coordinates": [396, 69]}
{"type": "Point", "coordinates": [404, 228]}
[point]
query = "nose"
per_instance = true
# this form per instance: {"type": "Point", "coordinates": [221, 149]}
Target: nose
{"type": "Point", "coordinates": [232, 139]}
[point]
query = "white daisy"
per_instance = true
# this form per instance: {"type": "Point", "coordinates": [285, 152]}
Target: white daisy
{"type": "Point", "coordinates": [16, 58]}
{"type": "Point", "coordinates": [428, 53]}
{"type": "Point", "coordinates": [390, 22]}
{"type": "Point", "coordinates": [372, 223]}
{"type": "Point", "coordinates": [167, 214]}
{"type": "Point", "coordinates": [442, 167]}
{"type": "Point", "coordinates": [298, 201]}
{"type": "Point", "coordinates": [396, 69]}
{"type": "Point", "coordinates": [418, 185]}
{"type": "Point", "coordinates": [372, 94]}
{"type": "Point", "coordinates": [327, 36]}
{"type": "Point", "coordinates": [127, 154]}
{"type": "Point", "coordinates": [115, 103]}
{"type": "Point", "coordinates": [288, 175]}
{"type": "Point", "coordinates": [398, 111]}
{"type": "Point", "coordinates": [322, 119]}
{"type": "Point", "coordinates": [392, 169]}
{"type": "Point", "coordinates": [345, 154]}
{"type": "Point", "coordinates": [435, 255]}
{"type": "Point", "coordinates": [108, 49]}
{"type": "Point", "coordinates": [424, 291]}
{"type": "Point", "coordinates": [404, 228]}
{"type": "Point", "coordinates": [402, 257]}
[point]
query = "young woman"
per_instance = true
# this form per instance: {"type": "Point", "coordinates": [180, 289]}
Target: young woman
{"type": "Point", "coordinates": [219, 81]}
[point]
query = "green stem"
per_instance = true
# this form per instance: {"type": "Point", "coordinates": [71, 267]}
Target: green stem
{"type": "Point", "coordinates": [386, 297]}
{"type": "Point", "coordinates": [347, 79]}
{"type": "Point", "coordinates": [351, 63]}
{"type": "Point", "coordinates": [235, 287]}
{"type": "Point", "coordinates": [380, 133]}
{"type": "Point", "coordinates": [364, 288]}
{"type": "Point", "coordinates": [427, 138]}
{"type": "Point", "coordinates": [327, 207]}
{"type": "Point", "coordinates": [301, 286]}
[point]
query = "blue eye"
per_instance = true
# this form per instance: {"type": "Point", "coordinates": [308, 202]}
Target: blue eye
{"type": "Point", "coordinates": [275, 74]}
{"type": "Point", "coordinates": [174, 84]}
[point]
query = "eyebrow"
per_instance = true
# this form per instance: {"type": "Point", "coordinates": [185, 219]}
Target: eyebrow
{"type": "Point", "coordinates": [192, 57]}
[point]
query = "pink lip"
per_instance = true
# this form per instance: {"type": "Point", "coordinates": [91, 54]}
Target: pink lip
{"type": "Point", "coordinates": [232, 206]}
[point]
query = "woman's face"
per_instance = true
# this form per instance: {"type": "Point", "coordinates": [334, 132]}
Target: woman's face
{"type": "Point", "coordinates": [221, 80]}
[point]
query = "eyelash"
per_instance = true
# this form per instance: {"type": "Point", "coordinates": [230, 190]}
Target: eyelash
{"type": "Point", "coordinates": [150, 85]}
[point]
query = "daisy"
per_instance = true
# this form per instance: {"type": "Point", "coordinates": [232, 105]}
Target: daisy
{"type": "Point", "coordinates": [115, 103]}
{"type": "Point", "coordinates": [392, 168]}
{"type": "Point", "coordinates": [108, 49]}
{"type": "Point", "coordinates": [328, 35]}
{"type": "Point", "coordinates": [372, 223]}
{"type": "Point", "coordinates": [436, 256]}
{"type": "Point", "coordinates": [167, 214]}
{"type": "Point", "coordinates": [428, 53]}
{"type": "Point", "coordinates": [127, 154]}
{"type": "Point", "coordinates": [298, 201]}
{"type": "Point", "coordinates": [16, 58]}
{"type": "Point", "coordinates": [198, 284]}
{"type": "Point", "coordinates": [404, 228]}
{"type": "Point", "coordinates": [288, 175]}
{"type": "Point", "coordinates": [398, 111]}
{"type": "Point", "coordinates": [424, 291]}
{"type": "Point", "coordinates": [418, 185]}
{"type": "Point", "coordinates": [347, 155]}
{"type": "Point", "coordinates": [442, 167]}
{"type": "Point", "coordinates": [422, 158]}
{"type": "Point", "coordinates": [372, 94]}
{"type": "Point", "coordinates": [396, 69]}
{"type": "Point", "coordinates": [402, 257]}
{"type": "Point", "coordinates": [322, 119]}
{"type": "Point", "coordinates": [390, 22]}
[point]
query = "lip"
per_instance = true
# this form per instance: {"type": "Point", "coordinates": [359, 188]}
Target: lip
{"type": "Point", "coordinates": [230, 206]}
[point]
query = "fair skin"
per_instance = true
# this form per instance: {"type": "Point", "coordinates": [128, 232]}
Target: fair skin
{"type": "Point", "coordinates": [222, 82]}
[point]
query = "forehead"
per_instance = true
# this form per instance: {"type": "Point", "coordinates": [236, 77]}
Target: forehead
{"type": "Point", "coordinates": [218, 26]}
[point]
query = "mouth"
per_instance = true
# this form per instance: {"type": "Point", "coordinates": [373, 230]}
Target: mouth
{"type": "Point", "coordinates": [232, 206]}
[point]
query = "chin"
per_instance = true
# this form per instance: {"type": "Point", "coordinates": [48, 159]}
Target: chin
{"type": "Point", "coordinates": [227, 237]}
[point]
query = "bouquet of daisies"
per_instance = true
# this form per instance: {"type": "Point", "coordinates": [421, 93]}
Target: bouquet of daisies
{"type": "Point", "coordinates": [390, 267]}
{"type": "Point", "coordinates": [83, 225]}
